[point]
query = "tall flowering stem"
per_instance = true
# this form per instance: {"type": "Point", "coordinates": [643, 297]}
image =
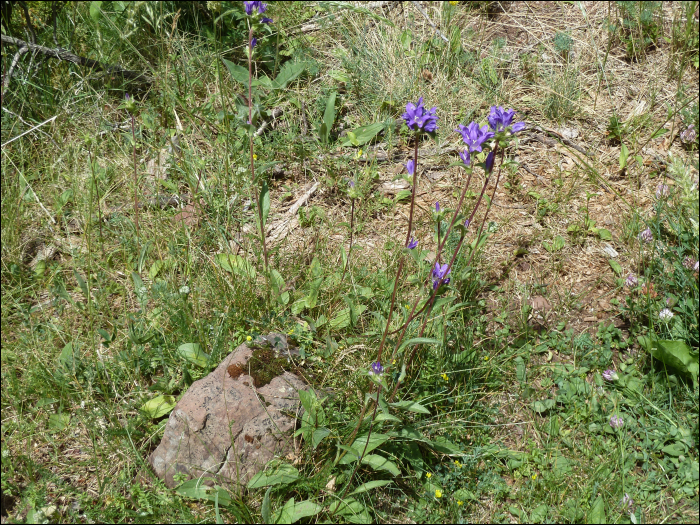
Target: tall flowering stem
{"type": "Point", "coordinates": [256, 193]}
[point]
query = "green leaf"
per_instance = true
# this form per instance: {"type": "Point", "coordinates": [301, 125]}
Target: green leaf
{"type": "Point", "coordinates": [83, 285]}
{"type": "Point", "coordinates": [196, 489]}
{"type": "Point", "coordinates": [265, 509]}
{"type": "Point", "coordinates": [58, 422]}
{"type": "Point", "coordinates": [285, 514]}
{"type": "Point", "coordinates": [542, 406]}
{"type": "Point", "coordinates": [290, 71]}
{"type": "Point", "coordinates": [342, 319]}
{"type": "Point", "coordinates": [95, 10]}
{"type": "Point", "coordinates": [604, 234]}
{"type": "Point", "coordinates": [265, 201]}
{"type": "Point", "coordinates": [555, 246]}
{"type": "Point", "coordinates": [239, 73]}
{"type": "Point", "coordinates": [597, 512]}
{"type": "Point", "coordinates": [350, 509]}
{"type": "Point", "coordinates": [624, 153]}
{"type": "Point", "coordinates": [519, 369]}
{"type": "Point", "coordinates": [67, 357]}
{"type": "Point", "coordinates": [158, 406]}
{"type": "Point", "coordinates": [328, 117]}
{"type": "Point", "coordinates": [193, 353]}
{"type": "Point", "coordinates": [386, 417]}
{"type": "Point", "coordinates": [411, 406]}
{"type": "Point", "coordinates": [279, 474]}
{"type": "Point", "coordinates": [675, 354]}
{"type": "Point", "coordinates": [318, 435]}
{"type": "Point", "coordinates": [364, 134]}
{"type": "Point", "coordinates": [659, 133]}
{"type": "Point", "coordinates": [539, 514]}
{"type": "Point", "coordinates": [156, 267]}
{"type": "Point", "coordinates": [340, 76]}
{"type": "Point", "coordinates": [419, 341]}
{"type": "Point", "coordinates": [236, 264]}
{"type": "Point", "coordinates": [370, 485]}
{"type": "Point", "coordinates": [381, 463]}
{"type": "Point", "coordinates": [358, 447]}
{"type": "Point", "coordinates": [304, 509]}
{"type": "Point", "coordinates": [615, 266]}
{"type": "Point", "coordinates": [315, 287]}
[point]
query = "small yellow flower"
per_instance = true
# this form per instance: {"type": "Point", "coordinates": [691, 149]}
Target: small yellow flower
{"type": "Point", "coordinates": [534, 477]}
{"type": "Point", "coordinates": [458, 464]}
{"type": "Point", "coordinates": [459, 502]}
{"type": "Point", "coordinates": [255, 157]}
{"type": "Point", "coordinates": [454, 3]}
{"type": "Point", "coordinates": [408, 307]}
{"type": "Point", "coordinates": [428, 475]}
{"type": "Point", "coordinates": [248, 338]}
{"type": "Point", "coordinates": [444, 376]}
{"type": "Point", "coordinates": [438, 493]}
{"type": "Point", "coordinates": [359, 153]}
{"type": "Point", "coordinates": [486, 358]}
{"type": "Point", "coordinates": [393, 361]}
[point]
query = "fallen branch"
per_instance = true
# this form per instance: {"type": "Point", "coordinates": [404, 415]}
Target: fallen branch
{"type": "Point", "coordinates": [62, 54]}
{"type": "Point", "coordinates": [281, 228]}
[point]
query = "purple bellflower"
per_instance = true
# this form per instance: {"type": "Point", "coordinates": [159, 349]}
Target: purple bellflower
{"type": "Point", "coordinates": [253, 42]}
{"type": "Point", "coordinates": [376, 369]}
{"type": "Point", "coordinates": [411, 167]}
{"type": "Point", "coordinates": [437, 207]}
{"type": "Point", "coordinates": [251, 7]}
{"type": "Point", "coordinates": [439, 275]}
{"type": "Point", "coordinates": [499, 120]}
{"type": "Point", "coordinates": [488, 165]}
{"type": "Point", "coordinates": [266, 20]}
{"type": "Point", "coordinates": [418, 118]}
{"type": "Point", "coordinates": [466, 158]}
{"type": "Point", "coordinates": [474, 136]}
{"type": "Point", "coordinates": [466, 223]}
{"type": "Point", "coordinates": [412, 243]}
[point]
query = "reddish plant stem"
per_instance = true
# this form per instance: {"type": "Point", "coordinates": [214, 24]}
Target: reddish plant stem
{"type": "Point", "coordinates": [391, 309]}
{"type": "Point", "coordinates": [454, 256]}
{"type": "Point", "coordinates": [256, 194]}
{"type": "Point", "coordinates": [413, 192]}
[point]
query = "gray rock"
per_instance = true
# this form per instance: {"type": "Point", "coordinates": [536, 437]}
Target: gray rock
{"type": "Point", "coordinates": [224, 430]}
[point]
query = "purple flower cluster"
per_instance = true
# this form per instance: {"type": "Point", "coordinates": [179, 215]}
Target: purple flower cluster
{"type": "Point", "coordinates": [646, 235]}
{"type": "Point", "coordinates": [500, 120]}
{"type": "Point", "coordinates": [257, 8]}
{"type": "Point", "coordinates": [474, 136]}
{"type": "Point", "coordinates": [631, 281]}
{"type": "Point", "coordinates": [376, 369]}
{"type": "Point", "coordinates": [616, 422]}
{"type": "Point", "coordinates": [439, 275]}
{"type": "Point", "coordinates": [689, 135]}
{"type": "Point", "coordinates": [610, 375]}
{"type": "Point", "coordinates": [418, 118]}
{"type": "Point", "coordinates": [662, 191]}
{"type": "Point", "coordinates": [690, 263]}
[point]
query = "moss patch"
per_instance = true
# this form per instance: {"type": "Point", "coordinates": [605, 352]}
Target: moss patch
{"type": "Point", "coordinates": [265, 366]}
